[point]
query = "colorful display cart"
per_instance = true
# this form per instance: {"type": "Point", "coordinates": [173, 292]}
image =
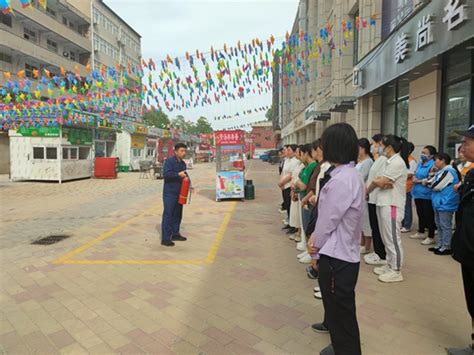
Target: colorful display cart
{"type": "Point", "coordinates": [230, 147]}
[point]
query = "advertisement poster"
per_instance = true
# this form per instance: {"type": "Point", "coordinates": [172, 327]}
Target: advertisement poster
{"type": "Point", "coordinates": [229, 184]}
{"type": "Point", "coordinates": [77, 136]}
{"type": "Point", "coordinates": [38, 132]}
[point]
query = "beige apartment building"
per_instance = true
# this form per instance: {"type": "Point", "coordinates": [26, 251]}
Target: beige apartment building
{"type": "Point", "coordinates": [411, 74]}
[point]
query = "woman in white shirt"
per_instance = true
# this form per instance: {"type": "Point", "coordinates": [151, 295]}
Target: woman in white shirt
{"type": "Point", "coordinates": [391, 205]}
{"type": "Point", "coordinates": [364, 164]}
{"type": "Point", "coordinates": [295, 207]}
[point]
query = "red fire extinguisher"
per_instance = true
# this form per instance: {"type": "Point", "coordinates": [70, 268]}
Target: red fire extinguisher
{"type": "Point", "coordinates": [183, 194]}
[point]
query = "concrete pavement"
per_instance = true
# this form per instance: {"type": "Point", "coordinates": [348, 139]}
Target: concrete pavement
{"type": "Point", "coordinates": [234, 287]}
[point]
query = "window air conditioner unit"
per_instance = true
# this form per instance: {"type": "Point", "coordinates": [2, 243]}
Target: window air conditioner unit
{"type": "Point", "coordinates": [66, 54]}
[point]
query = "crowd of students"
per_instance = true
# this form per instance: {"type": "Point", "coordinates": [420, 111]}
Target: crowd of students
{"type": "Point", "coordinates": [343, 196]}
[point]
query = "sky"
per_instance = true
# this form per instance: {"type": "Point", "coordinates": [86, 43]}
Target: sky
{"type": "Point", "coordinates": [176, 26]}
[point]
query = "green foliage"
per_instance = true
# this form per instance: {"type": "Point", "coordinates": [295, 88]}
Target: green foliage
{"type": "Point", "coordinates": [202, 125]}
{"type": "Point", "coordinates": [269, 114]}
{"type": "Point", "coordinates": [157, 118]}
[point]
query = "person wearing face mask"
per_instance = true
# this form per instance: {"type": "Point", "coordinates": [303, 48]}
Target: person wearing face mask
{"type": "Point", "coordinates": [422, 195]}
{"type": "Point", "coordinates": [391, 186]}
{"type": "Point", "coordinates": [379, 254]}
{"type": "Point", "coordinates": [408, 218]}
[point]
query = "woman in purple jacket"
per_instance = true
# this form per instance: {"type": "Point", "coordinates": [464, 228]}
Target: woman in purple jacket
{"type": "Point", "coordinates": [337, 238]}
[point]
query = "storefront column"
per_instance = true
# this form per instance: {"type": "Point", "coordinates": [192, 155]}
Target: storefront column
{"type": "Point", "coordinates": [424, 110]}
{"type": "Point", "coordinates": [374, 115]}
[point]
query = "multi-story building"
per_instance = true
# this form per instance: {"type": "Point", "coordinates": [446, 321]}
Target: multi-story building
{"type": "Point", "coordinates": [409, 71]}
{"type": "Point", "coordinates": [36, 39]}
{"type": "Point", "coordinates": [263, 137]}
{"type": "Point", "coordinates": [116, 46]}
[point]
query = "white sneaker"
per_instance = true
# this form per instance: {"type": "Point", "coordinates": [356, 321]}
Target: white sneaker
{"type": "Point", "coordinates": [405, 230]}
{"type": "Point", "coordinates": [305, 259]}
{"type": "Point", "coordinates": [292, 236]}
{"type": "Point", "coordinates": [285, 221]}
{"type": "Point", "coordinates": [373, 259]}
{"type": "Point", "coordinates": [428, 241]}
{"type": "Point", "coordinates": [318, 295]}
{"type": "Point", "coordinates": [391, 276]}
{"type": "Point", "coordinates": [317, 289]}
{"type": "Point", "coordinates": [363, 250]}
{"type": "Point", "coordinates": [298, 238]}
{"type": "Point", "coordinates": [303, 254]}
{"type": "Point", "coordinates": [417, 235]}
{"type": "Point", "coordinates": [281, 211]}
{"type": "Point", "coordinates": [381, 270]}
{"type": "Point", "coordinates": [301, 246]}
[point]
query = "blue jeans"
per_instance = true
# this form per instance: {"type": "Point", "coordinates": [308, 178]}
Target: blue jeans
{"type": "Point", "coordinates": [444, 223]}
{"type": "Point", "coordinates": [408, 217]}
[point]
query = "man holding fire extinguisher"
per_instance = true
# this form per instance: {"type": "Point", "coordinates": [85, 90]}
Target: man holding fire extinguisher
{"type": "Point", "coordinates": [175, 175]}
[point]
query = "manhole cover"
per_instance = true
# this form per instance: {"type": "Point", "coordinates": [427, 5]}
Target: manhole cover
{"type": "Point", "coordinates": [51, 239]}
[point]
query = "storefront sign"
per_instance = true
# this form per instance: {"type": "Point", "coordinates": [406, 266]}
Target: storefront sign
{"type": "Point", "coordinates": [138, 128]}
{"type": "Point", "coordinates": [38, 132]}
{"type": "Point", "coordinates": [153, 131]}
{"type": "Point", "coordinates": [229, 137]}
{"type": "Point", "coordinates": [105, 135]}
{"type": "Point", "coordinates": [436, 28]}
{"type": "Point", "coordinates": [166, 134]}
{"type": "Point", "coordinates": [229, 184]}
{"type": "Point", "coordinates": [310, 112]}
{"type": "Point", "coordinates": [77, 136]}
{"type": "Point", "coordinates": [138, 141]}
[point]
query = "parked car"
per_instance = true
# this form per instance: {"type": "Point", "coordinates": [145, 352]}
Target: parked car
{"type": "Point", "coordinates": [264, 157]}
{"type": "Point", "coordinates": [273, 157]}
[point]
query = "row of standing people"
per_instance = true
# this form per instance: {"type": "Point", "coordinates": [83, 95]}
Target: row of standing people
{"type": "Point", "coordinates": [340, 195]}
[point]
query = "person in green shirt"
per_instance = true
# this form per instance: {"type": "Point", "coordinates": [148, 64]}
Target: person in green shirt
{"type": "Point", "coordinates": [303, 181]}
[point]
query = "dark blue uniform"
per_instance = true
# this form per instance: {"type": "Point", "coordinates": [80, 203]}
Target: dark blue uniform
{"type": "Point", "coordinates": [173, 211]}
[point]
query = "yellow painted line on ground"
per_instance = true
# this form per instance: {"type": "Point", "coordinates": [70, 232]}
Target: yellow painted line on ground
{"type": "Point", "coordinates": [220, 234]}
{"type": "Point", "coordinates": [134, 262]}
{"type": "Point", "coordinates": [66, 259]}
{"type": "Point", "coordinates": [104, 236]}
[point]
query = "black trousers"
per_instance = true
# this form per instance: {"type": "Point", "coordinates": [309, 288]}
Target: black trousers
{"type": "Point", "coordinates": [287, 200]}
{"type": "Point", "coordinates": [468, 281]}
{"type": "Point", "coordinates": [425, 212]}
{"type": "Point", "coordinates": [338, 279]}
{"type": "Point", "coordinates": [379, 247]}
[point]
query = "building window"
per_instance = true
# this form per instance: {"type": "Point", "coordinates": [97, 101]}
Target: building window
{"type": "Point", "coordinates": [52, 46]}
{"type": "Point", "coordinates": [5, 58]}
{"type": "Point", "coordinates": [70, 153]}
{"type": "Point", "coordinates": [72, 55]}
{"type": "Point", "coordinates": [355, 52]}
{"type": "Point", "coordinates": [6, 19]}
{"type": "Point", "coordinates": [395, 100]}
{"type": "Point", "coordinates": [38, 152]}
{"type": "Point", "coordinates": [51, 153]}
{"type": "Point", "coordinates": [29, 70]}
{"type": "Point", "coordinates": [457, 97]}
{"type": "Point", "coordinates": [28, 34]}
{"type": "Point", "coordinates": [64, 21]}
{"type": "Point", "coordinates": [84, 153]}
{"type": "Point", "coordinates": [50, 12]}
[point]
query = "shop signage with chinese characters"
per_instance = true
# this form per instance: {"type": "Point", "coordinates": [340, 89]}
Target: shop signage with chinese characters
{"type": "Point", "coordinates": [38, 132]}
{"type": "Point", "coordinates": [140, 129]}
{"type": "Point", "coordinates": [433, 29]}
{"type": "Point", "coordinates": [229, 137]}
{"type": "Point", "coordinates": [138, 141]}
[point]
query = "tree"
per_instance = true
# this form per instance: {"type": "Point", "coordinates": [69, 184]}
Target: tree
{"type": "Point", "coordinates": [157, 118]}
{"type": "Point", "coordinates": [203, 126]}
{"type": "Point", "coordinates": [269, 114]}
{"type": "Point", "coordinates": [180, 123]}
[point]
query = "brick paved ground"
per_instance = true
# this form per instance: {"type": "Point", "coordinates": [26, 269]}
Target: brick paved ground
{"type": "Point", "coordinates": [234, 288]}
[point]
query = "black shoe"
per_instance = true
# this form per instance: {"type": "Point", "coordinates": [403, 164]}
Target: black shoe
{"type": "Point", "coordinates": [312, 273]}
{"type": "Point", "coordinates": [442, 252]}
{"type": "Point", "coordinates": [178, 238]}
{"type": "Point", "coordinates": [287, 227]}
{"type": "Point", "coordinates": [433, 249]}
{"type": "Point", "coordinates": [320, 328]}
{"type": "Point", "coordinates": [328, 350]}
{"type": "Point", "coordinates": [167, 243]}
{"type": "Point", "coordinates": [291, 231]}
